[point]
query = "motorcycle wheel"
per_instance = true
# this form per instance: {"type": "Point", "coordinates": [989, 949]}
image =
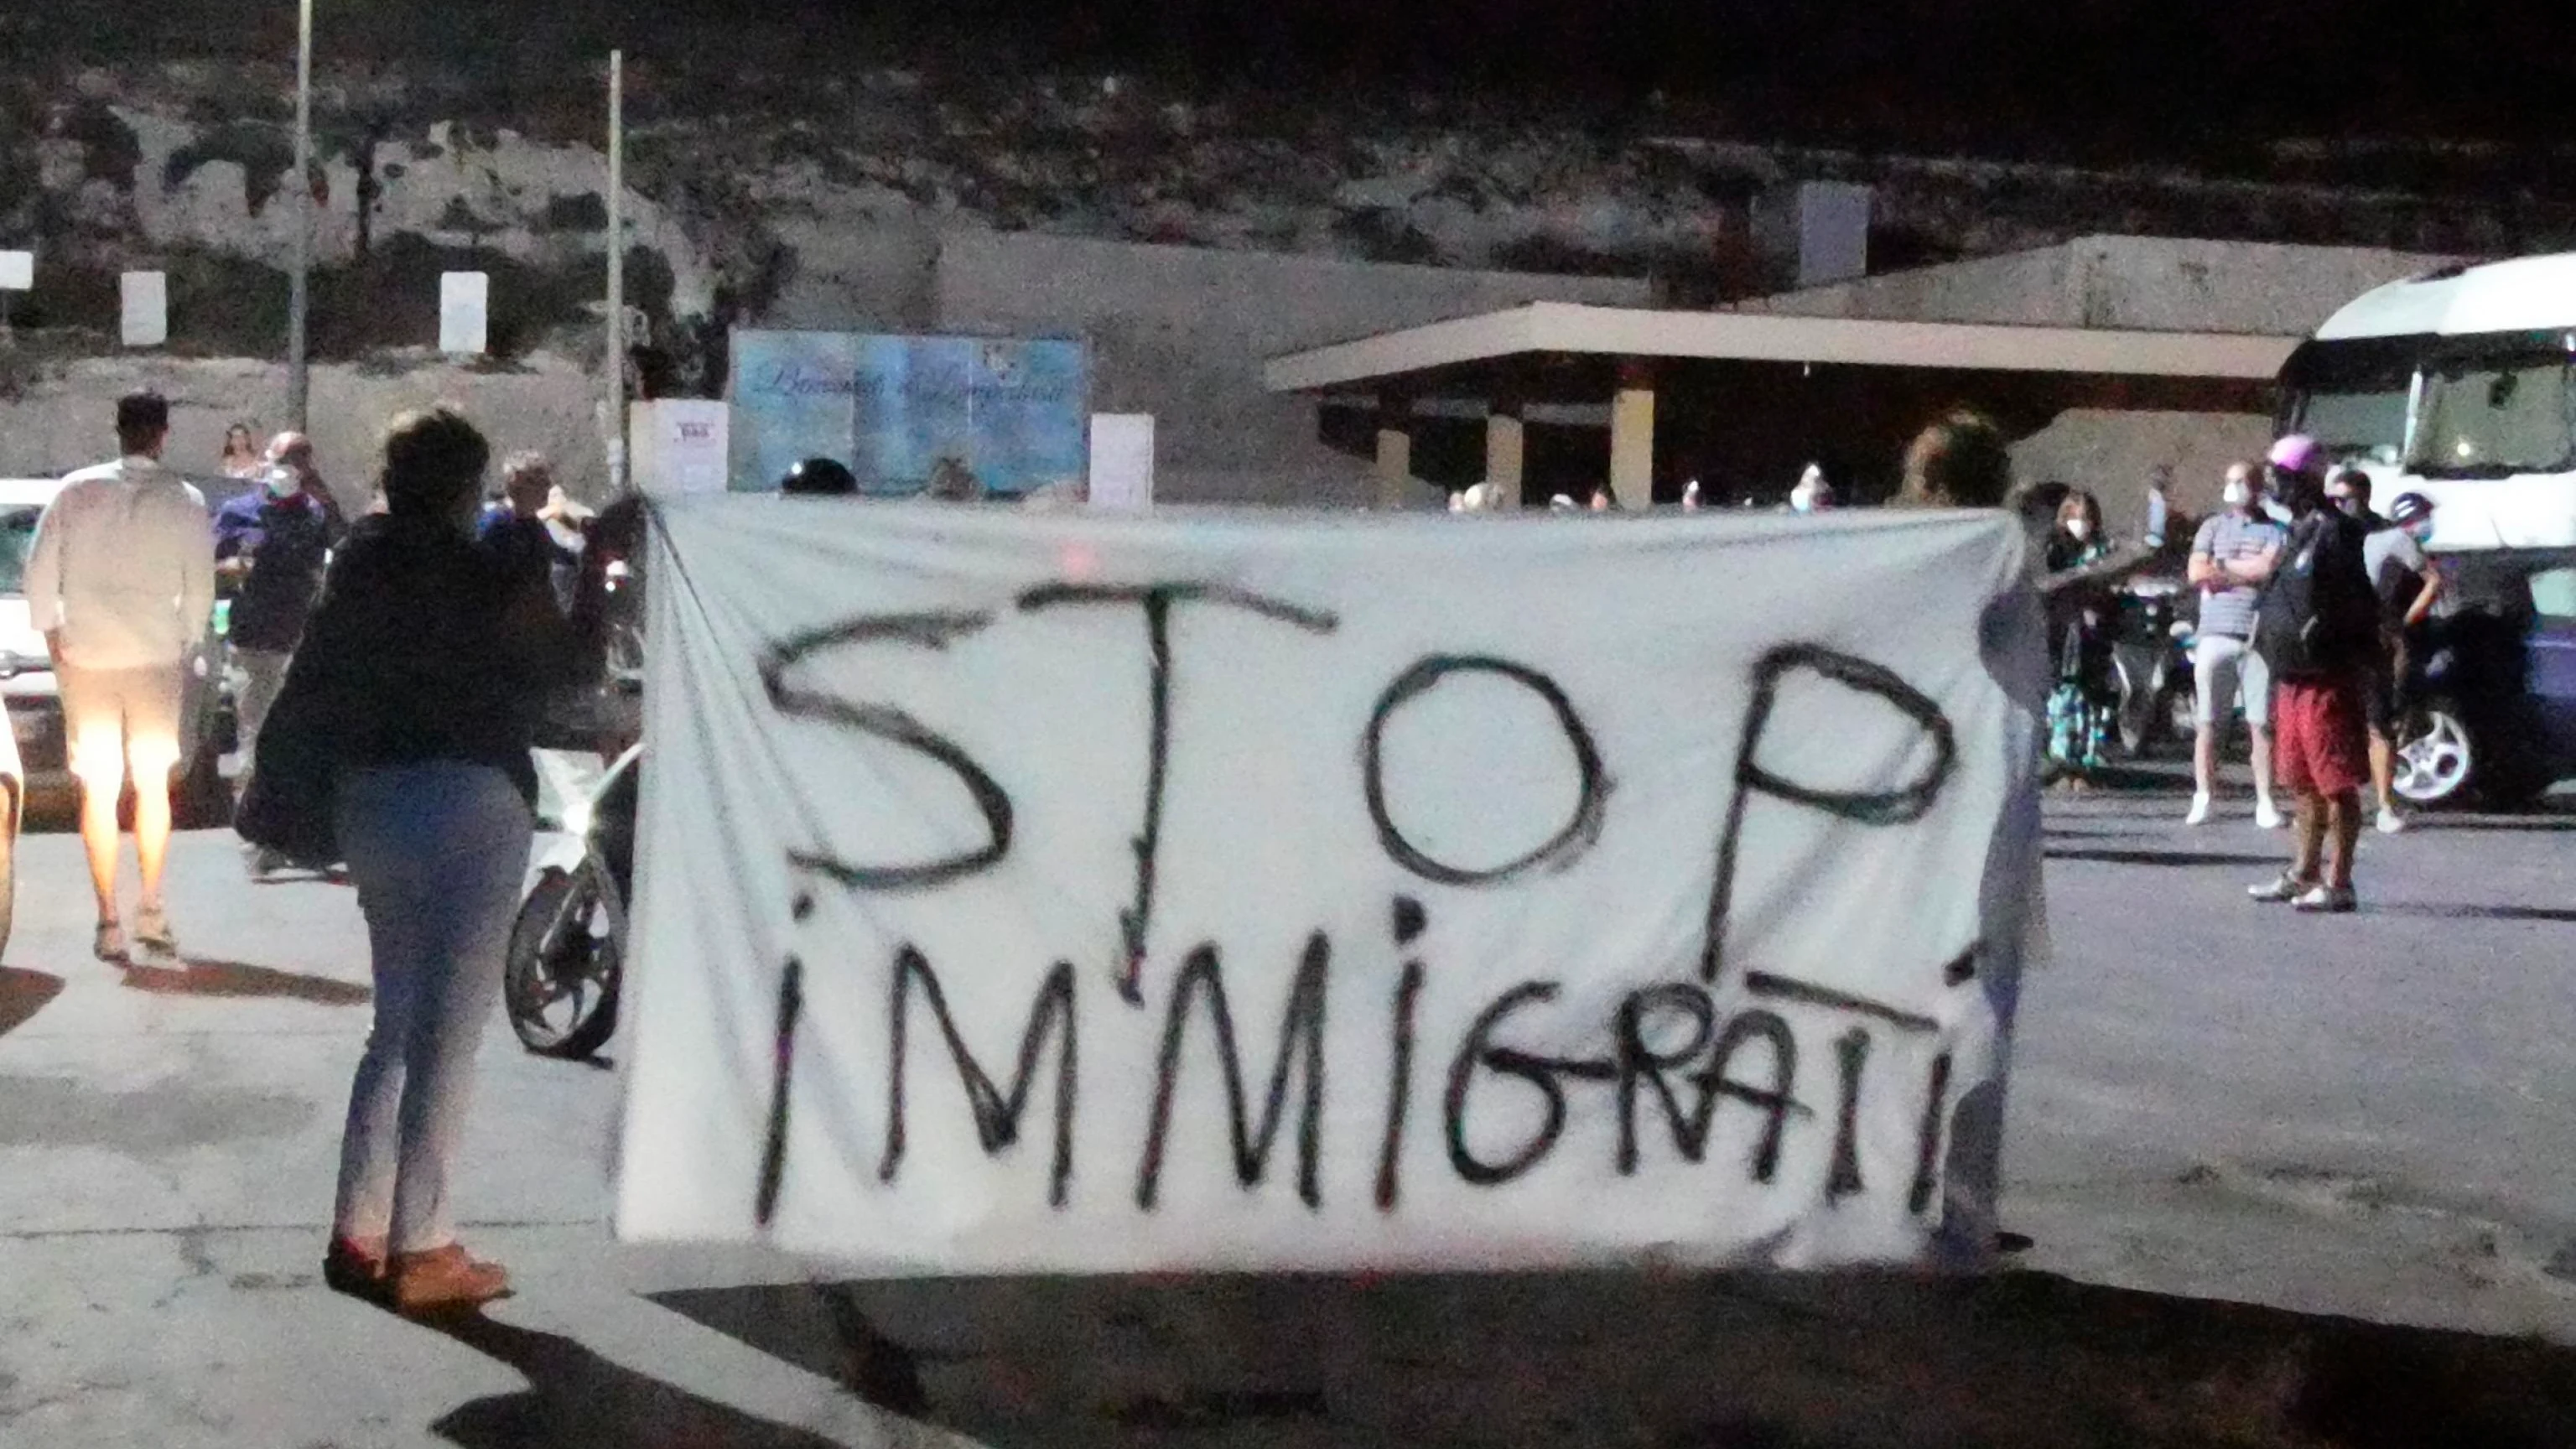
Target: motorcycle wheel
{"type": "Point", "coordinates": [563, 1006]}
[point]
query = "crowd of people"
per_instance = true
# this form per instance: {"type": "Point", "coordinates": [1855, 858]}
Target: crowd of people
{"type": "Point", "coordinates": [392, 669]}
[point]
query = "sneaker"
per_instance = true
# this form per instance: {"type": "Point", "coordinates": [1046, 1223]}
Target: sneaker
{"type": "Point", "coordinates": [263, 864]}
{"type": "Point", "coordinates": [2267, 816]}
{"type": "Point", "coordinates": [2328, 901]}
{"type": "Point", "coordinates": [109, 944]}
{"type": "Point", "coordinates": [2391, 823]}
{"type": "Point", "coordinates": [2287, 888]}
{"type": "Point", "coordinates": [442, 1280]}
{"type": "Point", "coordinates": [2199, 810]}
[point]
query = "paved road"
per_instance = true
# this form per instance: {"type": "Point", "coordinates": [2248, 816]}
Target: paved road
{"type": "Point", "coordinates": [2369, 1117]}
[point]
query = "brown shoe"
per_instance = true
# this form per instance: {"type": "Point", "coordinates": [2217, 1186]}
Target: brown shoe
{"type": "Point", "coordinates": [443, 1278]}
{"type": "Point", "coordinates": [356, 1267]}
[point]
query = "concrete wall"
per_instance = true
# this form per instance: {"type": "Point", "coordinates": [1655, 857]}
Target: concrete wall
{"type": "Point", "coordinates": [1182, 333]}
{"type": "Point", "coordinates": [63, 417]}
{"type": "Point", "coordinates": [2159, 284]}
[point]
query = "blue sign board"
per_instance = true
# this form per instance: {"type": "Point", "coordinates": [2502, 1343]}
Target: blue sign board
{"type": "Point", "coordinates": [1015, 412]}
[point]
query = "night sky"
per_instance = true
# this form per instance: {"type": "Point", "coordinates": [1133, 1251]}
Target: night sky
{"type": "Point", "coordinates": [2145, 76]}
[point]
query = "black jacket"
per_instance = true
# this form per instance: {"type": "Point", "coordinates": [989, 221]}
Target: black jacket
{"type": "Point", "coordinates": [426, 648]}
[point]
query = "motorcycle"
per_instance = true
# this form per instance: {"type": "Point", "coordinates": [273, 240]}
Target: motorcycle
{"type": "Point", "coordinates": [2151, 666]}
{"type": "Point", "coordinates": [567, 957]}
{"type": "Point", "coordinates": [567, 960]}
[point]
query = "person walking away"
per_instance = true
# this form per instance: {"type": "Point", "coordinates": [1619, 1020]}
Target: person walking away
{"type": "Point", "coordinates": [241, 457]}
{"type": "Point", "coordinates": [2319, 630]}
{"type": "Point", "coordinates": [2231, 556]}
{"type": "Point", "coordinates": [2411, 594]}
{"type": "Point", "coordinates": [269, 550]}
{"type": "Point", "coordinates": [121, 582]}
{"type": "Point", "coordinates": [430, 663]}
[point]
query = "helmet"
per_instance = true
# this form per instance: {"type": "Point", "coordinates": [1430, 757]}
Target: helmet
{"type": "Point", "coordinates": [2407, 507]}
{"type": "Point", "coordinates": [2296, 453]}
{"type": "Point", "coordinates": [820, 477]}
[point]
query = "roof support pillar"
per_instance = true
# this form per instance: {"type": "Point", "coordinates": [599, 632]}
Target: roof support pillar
{"type": "Point", "coordinates": [1394, 450]}
{"type": "Point", "coordinates": [1632, 438]}
{"type": "Point", "coordinates": [1506, 448]}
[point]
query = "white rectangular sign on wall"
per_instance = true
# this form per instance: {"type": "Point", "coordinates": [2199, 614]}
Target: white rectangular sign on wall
{"type": "Point", "coordinates": [145, 299]}
{"type": "Point", "coordinates": [1094, 893]}
{"type": "Point", "coordinates": [464, 313]}
{"type": "Point", "coordinates": [17, 271]}
{"type": "Point", "coordinates": [1122, 460]}
{"type": "Point", "coordinates": [679, 445]}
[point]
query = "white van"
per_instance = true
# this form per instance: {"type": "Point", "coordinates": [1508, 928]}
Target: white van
{"type": "Point", "coordinates": [2459, 384]}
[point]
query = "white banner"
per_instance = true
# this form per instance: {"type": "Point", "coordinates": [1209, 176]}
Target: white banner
{"type": "Point", "coordinates": [1093, 893]}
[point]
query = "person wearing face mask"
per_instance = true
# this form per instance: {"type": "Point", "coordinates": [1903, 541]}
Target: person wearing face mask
{"type": "Point", "coordinates": [270, 545]}
{"type": "Point", "coordinates": [2231, 557]}
{"type": "Point", "coordinates": [2083, 566]}
{"type": "Point", "coordinates": [2349, 492]}
{"type": "Point", "coordinates": [2412, 594]}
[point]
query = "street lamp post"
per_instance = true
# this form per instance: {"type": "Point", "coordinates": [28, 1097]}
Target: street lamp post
{"type": "Point", "coordinates": [299, 293]}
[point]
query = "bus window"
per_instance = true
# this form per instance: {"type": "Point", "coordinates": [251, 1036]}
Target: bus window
{"type": "Point", "coordinates": [2495, 417]}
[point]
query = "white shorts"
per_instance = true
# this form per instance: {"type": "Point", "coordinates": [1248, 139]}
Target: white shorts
{"type": "Point", "coordinates": [2221, 668]}
{"type": "Point", "coordinates": [113, 718]}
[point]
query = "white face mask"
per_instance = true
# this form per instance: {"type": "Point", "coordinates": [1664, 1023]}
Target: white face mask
{"type": "Point", "coordinates": [2237, 494]}
{"type": "Point", "coordinates": [281, 481]}
{"type": "Point", "coordinates": [2079, 529]}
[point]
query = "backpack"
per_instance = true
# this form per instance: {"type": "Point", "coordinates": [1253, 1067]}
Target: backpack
{"type": "Point", "coordinates": [2318, 614]}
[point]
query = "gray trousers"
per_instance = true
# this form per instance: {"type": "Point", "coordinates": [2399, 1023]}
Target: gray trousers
{"type": "Point", "coordinates": [438, 853]}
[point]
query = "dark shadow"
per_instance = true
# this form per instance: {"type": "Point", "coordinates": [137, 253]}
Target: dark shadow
{"type": "Point", "coordinates": [2014, 1360]}
{"type": "Point", "coordinates": [818, 1327]}
{"type": "Point", "coordinates": [2498, 824]}
{"type": "Point", "coordinates": [2477, 913]}
{"type": "Point", "coordinates": [233, 979]}
{"type": "Point", "coordinates": [2163, 857]}
{"type": "Point", "coordinates": [23, 994]}
{"type": "Point", "coordinates": [577, 1398]}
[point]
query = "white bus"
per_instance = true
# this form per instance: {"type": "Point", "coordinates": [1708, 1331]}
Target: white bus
{"type": "Point", "coordinates": [2458, 385]}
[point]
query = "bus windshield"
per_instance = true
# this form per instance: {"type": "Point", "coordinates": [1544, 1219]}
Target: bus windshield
{"type": "Point", "coordinates": [2493, 417]}
{"type": "Point", "coordinates": [2351, 395]}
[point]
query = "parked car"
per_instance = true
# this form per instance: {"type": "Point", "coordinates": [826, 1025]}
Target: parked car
{"type": "Point", "coordinates": [2494, 720]}
{"type": "Point", "coordinates": [199, 796]}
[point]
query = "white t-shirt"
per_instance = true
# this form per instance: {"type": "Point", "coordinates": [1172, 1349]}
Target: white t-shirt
{"type": "Point", "coordinates": [124, 564]}
{"type": "Point", "coordinates": [2389, 553]}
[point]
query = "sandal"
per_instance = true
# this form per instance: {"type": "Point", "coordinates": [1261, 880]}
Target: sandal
{"type": "Point", "coordinates": [152, 933]}
{"type": "Point", "coordinates": [109, 944]}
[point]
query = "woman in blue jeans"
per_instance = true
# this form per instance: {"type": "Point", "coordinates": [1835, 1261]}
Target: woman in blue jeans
{"type": "Point", "coordinates": [430, 660]}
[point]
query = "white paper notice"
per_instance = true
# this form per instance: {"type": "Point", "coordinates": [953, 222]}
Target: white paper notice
{"type": "Point", "coordinates": [17, 271]}
{"type": "Point", "coordinates": [680, 446]}
{"type": "Point", "coordinates": [146, 298]}
{"type": "Point", "coordinates": [1122, 460]}
{"type": "Point", "coordinates": [464, 312]}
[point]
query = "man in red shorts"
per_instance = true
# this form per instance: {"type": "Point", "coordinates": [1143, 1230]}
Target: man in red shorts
{"type": "Point", "coordinates": [2317, 626]}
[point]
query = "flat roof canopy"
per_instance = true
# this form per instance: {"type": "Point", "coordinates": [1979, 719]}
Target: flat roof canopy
{"type": "Point", "coordinates": [1531, 347]}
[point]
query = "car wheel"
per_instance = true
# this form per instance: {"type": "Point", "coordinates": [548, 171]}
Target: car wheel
{"type": "Point", "coordinates": [2438, 761]}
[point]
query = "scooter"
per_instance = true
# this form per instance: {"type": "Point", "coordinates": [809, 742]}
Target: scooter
{"type": "Point", "coordinates": [567, 957]}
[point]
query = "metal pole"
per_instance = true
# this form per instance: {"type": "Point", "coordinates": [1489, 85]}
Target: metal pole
{"type": "Point", "coordinates": [616, 273]}
{"type": "Point", "coordinates": [299, 296]}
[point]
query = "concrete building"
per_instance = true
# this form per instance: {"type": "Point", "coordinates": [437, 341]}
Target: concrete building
{"type": "Point", "coordinates": [2107, 358]}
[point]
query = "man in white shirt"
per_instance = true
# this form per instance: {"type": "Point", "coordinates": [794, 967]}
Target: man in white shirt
{"type": "Point", "coordinates": [121, 581]}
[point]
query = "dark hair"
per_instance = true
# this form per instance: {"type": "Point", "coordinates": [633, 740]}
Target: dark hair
{"type": "Point", "coordinates": [2356, 482]}
{"type": "Point", "coordinates": [1958, 462]}
{"type": "Point", "coordinates": [142, 419]}
{"type": "Point", "coordinates": [819, 478]}
{"type": "Point", "coordinates": [2298, 490]}
{"type": "Point", "coordinates": [434, 461]}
